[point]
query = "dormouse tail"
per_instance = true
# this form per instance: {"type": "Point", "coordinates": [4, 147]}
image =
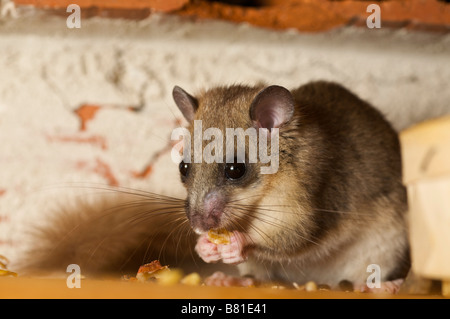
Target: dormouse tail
{"type": "Point", "coordinates": [113, 234]}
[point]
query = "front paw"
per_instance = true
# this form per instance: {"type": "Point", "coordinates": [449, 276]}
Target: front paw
{"type": "Point", "coordinates": [232, 253]}
{"type": "Point", "coordinates": [207, 250]}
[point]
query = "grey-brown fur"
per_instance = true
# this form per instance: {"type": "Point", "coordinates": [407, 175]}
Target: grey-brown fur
{"type": "Point", "coordinates": [336, 203]}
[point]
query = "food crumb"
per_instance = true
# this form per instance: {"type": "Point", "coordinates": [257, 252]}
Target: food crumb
{"type": "Point", "coordinates": [193, 279]}
{"type": "Point", "coordinates": [310, 286]}
{"type": "Point", "coordinates": [163, 275]}
{"type": "Point", "coordinates": [219, 236]}
{"type": "Point", "coordinates": [4, 269]}
{"type": "Point", "coordinates": [168, 277]}
{"type": "Point", "coordinates": [4, 273]}
{"type": "Point", "coordinates": [150, 271]}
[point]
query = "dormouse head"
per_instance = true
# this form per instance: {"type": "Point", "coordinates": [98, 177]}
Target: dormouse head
{"type": "Point", "coordinates": [231, 149]}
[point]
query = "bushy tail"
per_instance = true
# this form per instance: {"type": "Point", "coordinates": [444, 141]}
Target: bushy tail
{"type": "Point", "coordinates": [114, 234]}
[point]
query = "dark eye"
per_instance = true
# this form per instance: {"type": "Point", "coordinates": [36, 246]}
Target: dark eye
{"type": "Point", "coordinates": [184, 168]}
{"type": "Point", "coordinates": [234, 170]}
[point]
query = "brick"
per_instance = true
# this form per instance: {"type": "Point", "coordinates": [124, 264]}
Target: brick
{"type": "Point", "coordinates": [321, 15]}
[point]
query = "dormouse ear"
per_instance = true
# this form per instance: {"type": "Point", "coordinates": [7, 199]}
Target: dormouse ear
{"type": "Point", "coordinates": [186, 103]}
{"type": "Point", "coordinates": [272, 107]}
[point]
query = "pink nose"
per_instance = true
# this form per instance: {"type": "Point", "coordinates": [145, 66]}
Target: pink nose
{"type": "Point", "coordinates": [213, 205]}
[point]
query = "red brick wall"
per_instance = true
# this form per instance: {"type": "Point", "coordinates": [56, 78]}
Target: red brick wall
{"type": "Point", "coordinates": [304, 15]}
